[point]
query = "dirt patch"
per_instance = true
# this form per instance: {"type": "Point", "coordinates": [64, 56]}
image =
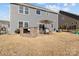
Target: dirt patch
{"type": "Point", "coordinates": [62, 43]}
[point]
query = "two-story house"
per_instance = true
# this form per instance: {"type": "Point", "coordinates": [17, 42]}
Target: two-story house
{"type": "Point", "coordinates": [24, 15]}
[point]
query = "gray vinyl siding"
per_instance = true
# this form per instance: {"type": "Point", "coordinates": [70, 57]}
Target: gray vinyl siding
{"type": "Point", "coordinates": [31, 17]}
{"type": "Point", "coordinates": [64, 19]}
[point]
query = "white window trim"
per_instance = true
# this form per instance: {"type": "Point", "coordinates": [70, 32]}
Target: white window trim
{"type": "Point", "coordinates": [25, 10]}
{"type": "Point", "coordinates": [18, 22]}
{"type": "Point", "coordinates": [24, 23]}
{"type": "Point", "coordinates": [19, 9]}
{"type": "Point", "coordinates": [37, 10]}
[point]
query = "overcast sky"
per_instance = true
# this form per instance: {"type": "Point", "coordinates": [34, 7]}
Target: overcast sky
{"type": "Point", "coordinates": [73, 8]}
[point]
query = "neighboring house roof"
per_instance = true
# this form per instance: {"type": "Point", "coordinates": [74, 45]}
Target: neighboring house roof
{"type": "Point", "coordinates": [69, 14]}
{"type": "Point", "coordinates": [4, 22]}
{"type": "Point", "coordinates": [37, 7]}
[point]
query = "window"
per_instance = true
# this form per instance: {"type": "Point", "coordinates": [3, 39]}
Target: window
{"type": "Point", "coordinates": [20, 24]}
{"type": "Point", "coordinates": [26, 25]}
{"type": "Point", "coordinates": [20, 9]}
{"type": "Point", "coordinates": [26, 10]}
{"type": "Point", "coordinates": [37, 11]}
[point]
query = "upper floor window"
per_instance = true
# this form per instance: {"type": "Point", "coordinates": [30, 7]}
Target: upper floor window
{"type": "Point", "coordinates": [37, 11]}
{"type": "Point", "coordinates": [26, 10]}
{"type": "Point", "coordinates": [20, 9]}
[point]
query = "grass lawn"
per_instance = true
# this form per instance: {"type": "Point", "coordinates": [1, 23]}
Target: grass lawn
{"type": "Point", "coordinates": [61, 43]}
